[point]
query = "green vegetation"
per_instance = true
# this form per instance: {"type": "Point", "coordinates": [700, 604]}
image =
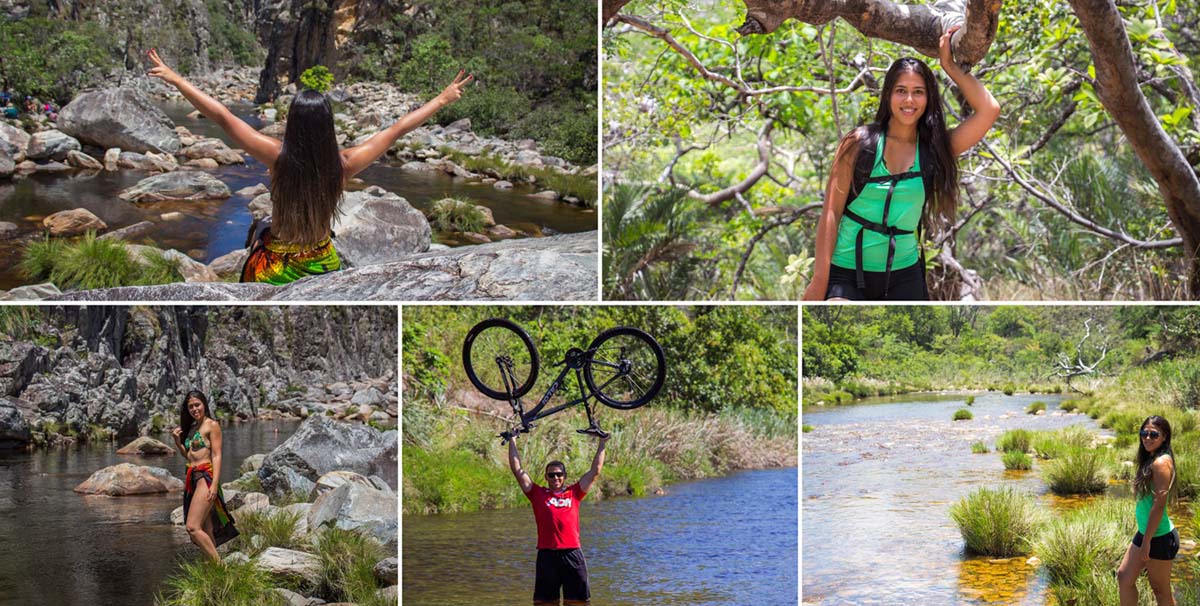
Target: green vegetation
{"type": "Point", "coordinates": [52, 58]}
{"type": "Point", "coordinates": [963, 414]}
{"type": "Point", "coordinates": [970, 400]}
{"type": "Point", "coordinates": [274, 529]}
{"type": "Point", "coordinates": [729, 403]}
{"type": "Point", "coordinates": [535, 64]}
{"type": "Point", "coordinates": [979, 448]}
{"type": "Point", "coordinates": [347, 567]}
{"type": "Point", "coordinates": [317, 78]}
{"type": "Point", "coordinates": [566, 185]}
{"type": "Point", "coordinates": [1035, 408]}
{"type": "Point", "coordinates": [996, 522]}
{"type": "Point", "coordinates": [1017, 440]}
{"type": "Point", "coordinates": [1055, 444]}
{"type": "Point", "coordinates": [1091, 538]}
{"type": "Point", "coordinates": [451, 214]}
{"type": "Point", "coordinates": [226, 583]}
{"type": "Point", "coordinates": [94, 263]}
{"type": "Point", "coordinates": [1080, 471]}
{"type": "Point", "coordinates": [806, 428]}
{"type": "Point", "coordinates": [1015, 460]}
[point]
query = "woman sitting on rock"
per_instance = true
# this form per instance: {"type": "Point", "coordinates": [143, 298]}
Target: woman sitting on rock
{"type": "Point", "coordinates": [308, 173]}
{"type": "Point", "coordinates": [198, 439]}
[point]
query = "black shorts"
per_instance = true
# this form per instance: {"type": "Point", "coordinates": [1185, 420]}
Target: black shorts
{"type": "Point", "coordinates": [1165, 547]}
{"type": "Point", "coordinates": [563, 569]}
{"type": "Point", "coordinates": [907, 284]}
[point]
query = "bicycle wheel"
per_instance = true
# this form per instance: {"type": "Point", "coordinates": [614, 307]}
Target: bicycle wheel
{"type": "Point", "coordinates": [493, 340]}
{"type": "Point", "coordinates": [625, 367]}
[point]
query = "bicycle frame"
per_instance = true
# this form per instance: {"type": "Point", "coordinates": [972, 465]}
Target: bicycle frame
{"type": "Point", "coordinates": [574, 360]}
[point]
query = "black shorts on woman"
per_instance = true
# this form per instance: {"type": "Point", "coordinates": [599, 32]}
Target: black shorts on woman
{"type": "Point", "coordinates": [1164, 547]}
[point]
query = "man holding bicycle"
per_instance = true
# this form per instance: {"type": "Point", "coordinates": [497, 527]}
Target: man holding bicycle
{"type": "Point", "coordinates": [560, 563]}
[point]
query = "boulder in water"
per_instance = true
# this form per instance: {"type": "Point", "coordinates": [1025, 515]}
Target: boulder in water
{"type": "Point", "coordinates": [130, 233]}
{"type": "Point", "coordinates": [145, 445]}
{"type": "Point", "coordinates": [79, 159]}
{"type": "Point", "coordinates": [7, 166]}
{"type": "Point", "coordinates": [212, 149]}
{"type": "Point", "coordinates": [184, 185]}
{"type": "Point", "coordinates": [148, 161]}
{"type": "Point", "coordinates": [50, 145]}
{"type": "Point", "coordinates": [119, 117]}
{"type": "Point", "coordinates": [127, 479]}
{"type": "Point", "coordinates": [74, 222]}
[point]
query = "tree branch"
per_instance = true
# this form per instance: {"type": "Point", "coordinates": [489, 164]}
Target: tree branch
{"type": "Point", "coordinates": [756, 173]}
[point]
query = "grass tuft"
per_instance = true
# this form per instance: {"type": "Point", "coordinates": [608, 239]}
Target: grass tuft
{"type": "Point", "coordinates": [963, 414]}
{"type": "Point", "coordinates": [996, 522]}
{"type": "Point", "coordinates": [979, 448]}
{"type": "Point", "coordinates": [1015, 460]}
{"type": "Point", "coordinates": [93, 263]}
{"type": "Point", "coordinates": [457, 215]}
{"type": "Point", "coordinates": [1080, 471]}
{"type": "Point", "coordinates": [1036, 407]}
{"type": "Point", "coordinates": [228, 583]}
{"type": "Point", "coordinates": [347, 567]}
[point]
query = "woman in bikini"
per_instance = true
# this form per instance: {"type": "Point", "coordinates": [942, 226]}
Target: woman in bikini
{"type": "Point", "coordinates": [308, 173]}
{"type": "Point", "coordinates": [892, 177]}
{"type": "Point", "coordinates": [198, 439]}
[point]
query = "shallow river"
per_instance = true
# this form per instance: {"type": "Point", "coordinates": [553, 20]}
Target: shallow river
{"type": "Point", "coordinates": [59, 548]}
{"type": "Point", "coordinates": [724, 541]}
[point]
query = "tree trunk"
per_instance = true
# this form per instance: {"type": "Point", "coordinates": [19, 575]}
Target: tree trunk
{"type": "Point", "coordinates": [1117, 87]}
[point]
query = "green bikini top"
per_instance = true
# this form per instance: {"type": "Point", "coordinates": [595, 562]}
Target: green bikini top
{"type": "Point", "coordinates": [197, 440]}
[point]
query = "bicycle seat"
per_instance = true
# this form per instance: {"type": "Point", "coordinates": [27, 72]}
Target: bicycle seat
{"type": "Point", "coordinates": [593, 431]}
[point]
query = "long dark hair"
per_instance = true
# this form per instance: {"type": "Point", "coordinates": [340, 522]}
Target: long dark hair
{"type": "Point", "coordinates": [185, 418]}
{"type": "Point", "coordinates": [942, 202]}
{"type": "Point", "coordinates": [1143, 482]}
{"type": "Point", "coordinates": [306, 181]}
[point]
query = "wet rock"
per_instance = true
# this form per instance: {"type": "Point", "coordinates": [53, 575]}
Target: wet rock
{"type": "Point", "coordinates": [185, 185]}
{"type": "Point", "coordinates": [322, 445]}
{"type": "Point", "coordinates": [127, 479]}
{"type": "Point", "coordinates": [387, 572]}
{"type": "Point", "coordinates": [417, 167]}
{"type": "Point", "coordinates": [207, 163]}
{"type": "Point", "coordinates": [26, 167]}
{"type": "Point", "coordinates": [502, 185]}
{"type": "Point", "coordinates": [145, 445]}
{"type": "Point", "coordinates": [8, 230]}
{"type": "Point", "coordinates": [148, 162]}
{"type": "Point", "coordinates": [229, 264]}
{"type": "Point", "coordinates": [50, 145]}
{"type": "Point", "coordinates": [191, 269]}
{"type": "Point", "coordinates": [501, 232]}
{"type": "Point", "coordinates": [13, 141]}
{"type": "Point", "coordinates": [213, 149]}
{"type": "Point", "coordinates": [171, 216]}
{"type": "Point", "coordinates": [14, 430]}
{"type": "Point", "coordinates": [130, 233]}
{"type": "Point", "coordinates": [253, 190]}
{"type": "Point", "coordinates": [547, 195]}
{"type": "Point", "coordinates": [355, 507]}
{"type": "Point", "coordinates": [74, 222]}
{"type": "Point", "coordinates": [54, 167]}
{"type": "Point", "coordinates": [291, 565]}
{"type": "Point", "coordinates": [119, 117]}
{"type": "Point", "coordinates": [261, 206]}
{"type": "Point", "coordinates": [111, 157]}
{"type": "Point", "coordinates": [33, 292]}
{"type": "Point", "coordinates": [79, 159]}
{"type": "Point", "coordinates": [555, 268]}
{"type": "Point", "coordinates": [474, 238]}
{"type": "Point", "coordinates": [378, 226]}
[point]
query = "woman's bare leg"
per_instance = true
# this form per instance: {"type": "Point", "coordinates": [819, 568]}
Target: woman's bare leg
{"type": "Point", "coordinates": [1127, 575]}
{"type": "Point", "coordinates": [197, 516]}
{"type": "Point", "coordinates": [1159, 572]}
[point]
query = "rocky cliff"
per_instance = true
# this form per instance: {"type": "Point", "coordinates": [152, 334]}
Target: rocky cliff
{"type": "Point", "coordinates": [124, 370]}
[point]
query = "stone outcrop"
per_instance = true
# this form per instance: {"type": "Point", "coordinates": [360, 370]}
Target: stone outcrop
{"type": "Point", "coordinates": [119, 117]}
{"type": "Point", "coordinates": [183, 185]}
{"type": "Point", "coordinates": [127, 479]}
{"type": "Point", "coordinates": [74, 222]}
{"type": "Point", "coordinates": [13, 141]}
{"type": "Point", "coordinates": [353, 506]}
{"type": "Point", "coordinates": [557, 268]}
{"type": "Point", "coordinates": [14, 430]}
{"type": "Point", "coordinates": [322, 445]}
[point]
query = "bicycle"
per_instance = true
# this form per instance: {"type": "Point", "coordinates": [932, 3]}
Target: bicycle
{"type": "Point", "coordinates": [502, 362]}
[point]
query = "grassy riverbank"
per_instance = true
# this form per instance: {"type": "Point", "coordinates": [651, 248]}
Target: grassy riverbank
{"type": "Point", "coordinates": [729, 403]}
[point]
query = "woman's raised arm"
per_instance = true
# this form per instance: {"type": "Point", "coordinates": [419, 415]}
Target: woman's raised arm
{"type": "Point", "coordinates": [964, 136]}
{"type": "Point", "coordinates": [261, 147]}
{"type": "Point", "coordinates": [359, 157]}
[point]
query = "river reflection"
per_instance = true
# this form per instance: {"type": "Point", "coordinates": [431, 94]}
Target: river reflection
{"type": "Point", "coordinates": [58, 548]}
{"type": "Point", "coordinates": [723, 541]}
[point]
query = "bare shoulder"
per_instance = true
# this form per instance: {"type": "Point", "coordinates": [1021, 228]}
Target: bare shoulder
{"type": "Point", "coordinates": [1163, 464]}
{"type": "Point", "coordinates": [212, 426]}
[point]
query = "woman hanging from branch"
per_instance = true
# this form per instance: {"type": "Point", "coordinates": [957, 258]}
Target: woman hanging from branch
{"type": "Point", "coordinates": [892, 179]}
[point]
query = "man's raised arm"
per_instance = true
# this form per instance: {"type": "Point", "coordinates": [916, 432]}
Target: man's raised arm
{"type": "Point", "coordinates": [514, 463]}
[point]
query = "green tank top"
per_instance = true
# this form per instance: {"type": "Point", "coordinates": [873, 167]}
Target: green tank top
{"type": "Point", "coordinates": [908, 199]}
{"type": "Point", "coordinates": [1142, 512]}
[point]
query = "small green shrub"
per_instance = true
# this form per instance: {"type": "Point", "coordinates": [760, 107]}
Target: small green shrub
{"type": "Point", "coordinates": [1036, 407]}
{"type": "Point", "coordinates": [93, 263]}
{"type": "Point", "coordinates": [1068, 405]}
{"type": "Point", "coordinates": [1014, 460]}
{"type": "Point", "coordinates": [963, 414]}
{"type": "Point", "coordinates": [348, 567]}
{"type": "Point", "coordinates": [1080, 471]}
{"type": "Point", "coordinates": [1009, 389]}
{"type": "Point", "coordinates": [456, 215]}
{"type": "Point", "coordinates": [1090, 539]}
{"type": "Point", "coordinates": [1015, 439]}
{"type": "Point", "coordinates": [317, 78]}
{"type": "Point", "coordinates": [226, 583]}
{"type": "Point", "coordinates": [970, 400]}
{"type": "Point", "coordinates": [996, 522]}
{"type": "Point", "coordinates": [276, 529]}
{"type": "Point", "coordinates": [806, 428]}
{"type": "Point", "coordinates": [979, 448]}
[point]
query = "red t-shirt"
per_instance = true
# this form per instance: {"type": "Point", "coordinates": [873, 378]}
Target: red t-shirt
{"type": "Point", "coordinates": [557, 515]}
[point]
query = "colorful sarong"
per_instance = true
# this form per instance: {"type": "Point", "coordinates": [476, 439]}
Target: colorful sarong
{"type": "Point", "coordinates": [222, 521]}
{"type": "Point", "coordinates": [277, 262]}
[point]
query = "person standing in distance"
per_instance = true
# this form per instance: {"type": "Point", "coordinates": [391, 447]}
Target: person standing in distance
{"type": "Point", "coordinates": [560, 562]}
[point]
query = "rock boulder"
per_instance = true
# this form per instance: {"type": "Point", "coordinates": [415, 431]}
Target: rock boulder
{"type": "Point", "coordinates": [378, 226]}
{"type": "Point", "coordinates": [127, 479]}
{"type": "Point", "coordinates": [145, 445]}
{"type": "Point", "coordinates": [322, 445]}
{"type": "Point", "coordinates": [353, 506]}
{"type": "Point", "coordinates": [184, 185]}
{"type": "Point", "coordinates": [74, 222]}
{"type": "Point", "coordinates": [50, 145]}
{"type": "Point", "coordinates": [119, 117]}
{"type": "Point", "coordinates": [14, 430]}
{"type": "Point", "coordinates": [13, 141]}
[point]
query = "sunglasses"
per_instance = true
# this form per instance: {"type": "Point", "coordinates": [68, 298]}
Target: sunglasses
{"type": "Point", "coordinates": [1149, 433]}
{"type": "Point", "coordinates": [556, 474]}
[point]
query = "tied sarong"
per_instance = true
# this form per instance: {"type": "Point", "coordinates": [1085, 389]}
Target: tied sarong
{"type": "Point", "coordinates": [222, 522]}
{"type": "Point", "coordinates": [276, 262]}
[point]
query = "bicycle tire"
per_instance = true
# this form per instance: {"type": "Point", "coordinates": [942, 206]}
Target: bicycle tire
{"type": "Point", "coordinates": [493, 337]}
{"type": "Point", "coordinates": [619, 389]}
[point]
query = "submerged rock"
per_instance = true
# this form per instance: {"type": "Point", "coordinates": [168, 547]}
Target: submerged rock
{"type": "Point", "coordinates": [119, 117]}
{"type": "Point", "coordinates": [185, 185]}
{"type": "Point", "coordinates": [145, 445]}
{"type": "Point", "coordinates": [127, 479]}
{"type": "Point", "coordinates": [130, 233]}
{"type": "Point", "coordinates": [556, 268]}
